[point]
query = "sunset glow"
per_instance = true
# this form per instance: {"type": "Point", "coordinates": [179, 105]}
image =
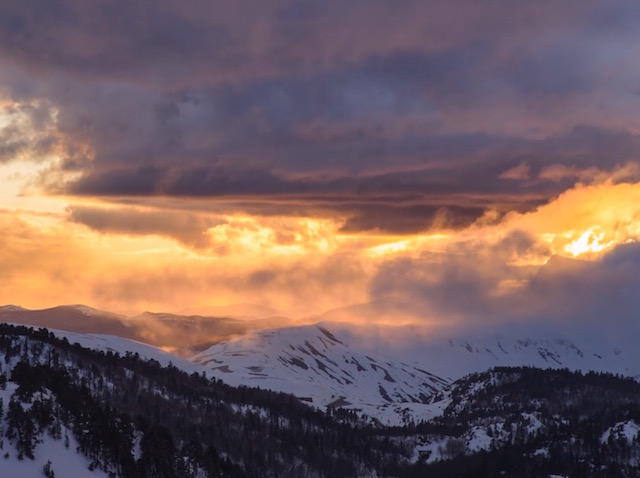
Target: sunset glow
{"type": "Point", "coordinates": [308, 263]}
{"type": "Point", "coordinates": [281, 164]}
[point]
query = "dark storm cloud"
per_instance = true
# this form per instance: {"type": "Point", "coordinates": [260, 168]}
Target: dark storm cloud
{"type": "Point", "coordinates": [104, 38]}
{"type": "Point", "coordinates": [453, 184]}
{"type": "Point", "coordinates": [409, 219]}
{"type": "Point", "coordinates": [189, 229]}
{"type": "Point", "coordinates": [399, 203]}
{"type": "Point", "coordinates": [429, 110]}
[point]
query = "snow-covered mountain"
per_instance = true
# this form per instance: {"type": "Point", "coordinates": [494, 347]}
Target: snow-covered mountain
{"type": "Point", "coordinates": [391, 374]}
{"type": "Point", "coordinates": [69, 411]}
{"type": "Point", "coordinates": [318, 367]}
{"type": "Point", "coordinates": [122, 346]}
{"type": "Point", "coordinates": [388, 373]}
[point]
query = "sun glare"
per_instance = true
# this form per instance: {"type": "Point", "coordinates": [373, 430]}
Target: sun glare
{"type": "Point", "coordinates": [589, 242]}
{"type": "Point", "coordinates": [389, 248]}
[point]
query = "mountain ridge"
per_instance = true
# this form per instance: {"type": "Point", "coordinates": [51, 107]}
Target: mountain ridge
{"type": "Point", "coordinates": [392, 377]}
{"type": "Point", "coordinates": [182, 334]}
{"type": "Point", "coordinates": [73, 411]}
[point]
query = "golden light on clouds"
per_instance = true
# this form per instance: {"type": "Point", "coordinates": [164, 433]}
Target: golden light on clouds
{"type": "Point", "coordinates": [360, 167]}
{"type": "Point", "coordinates": [590, 242]}
{"type": "Point", "coordinates": [585, 221]}
{"type": "Point", "coordinates": [283, 236]}
{"type": "Point", "coordinates": [131, 257]}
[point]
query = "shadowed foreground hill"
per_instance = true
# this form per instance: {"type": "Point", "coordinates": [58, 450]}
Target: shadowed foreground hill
{"type": "Point", "coordinates": [128, 417]}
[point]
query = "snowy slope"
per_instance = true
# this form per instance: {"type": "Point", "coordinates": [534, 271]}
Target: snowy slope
{"type": "Point", "coordinates": [392, 373]}
{"type": "Point", "coordinates": [122, 346]}
{"type": "Point", "coordinates": [452, 354]}
{"type": "Point", "coordinates": [60, 452]}
{"type": "Point", "coordinates": [65, 460]}
{"type": "Point", "coordinates": [317, 366]}
{"type": "Point", "coordinates": [388, 373]}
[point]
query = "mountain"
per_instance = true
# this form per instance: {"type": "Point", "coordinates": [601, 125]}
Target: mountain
{"type": "Point", "coordinates": [391, 374]}
{"type": "Point", "coordinates": [315, 365]}
{"type": "Point", "coordinates": [387, 373]}
{"type": "Point", "coordinates": [129, 417]}
{"type": "Point", "coordinates": [122, 346]}
{"type": "Point", "coordinates": [528, 422]}
{"type": "Point", "coordinates": [73, 318]}
{"type": "Point", "coordinates": [66, 410]}
{"type": "Point", "coordinates": [182, 334]}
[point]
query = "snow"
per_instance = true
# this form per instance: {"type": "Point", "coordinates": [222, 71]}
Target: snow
{"type": "Point", "coordinates": [328, 365]}
{"type": "Point", "coordinates": [380, 371]}
{"type": "Point", "coordinates": [478, 439]}
{"type": "Point", "coordinates": [627, 431]}
{"type": "Point", "coordinates": [65, 462]}
{"type": "Point", "coordinates": [315, 364]}
{"type": "Point", "coordinates": [534, 422]}
{"type": "Point", "coordinates": [430, 451]}
{"type": "Point", "coordinates": [454, 353]}
{"type": "Point", "coordinates": [121, 345]}
{"type": "Point", "coordinates": [543, 452]}
{"type": "Point", "coordinates": [405, 413]}
{"type": "Point", "coordinates": [386, 374]}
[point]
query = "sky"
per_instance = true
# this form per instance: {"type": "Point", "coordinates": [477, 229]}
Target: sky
{"type": "Point", "coordinates": [434, 161]}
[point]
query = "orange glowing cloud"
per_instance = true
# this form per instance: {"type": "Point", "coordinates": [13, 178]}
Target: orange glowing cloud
{"type": "Point", "coordinates": [585, 221]}
{"type": "Point", "coordinates": [298, 265]}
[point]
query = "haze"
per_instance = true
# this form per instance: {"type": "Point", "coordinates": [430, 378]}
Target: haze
{"type": "Point", "coordinates": [427, 162]}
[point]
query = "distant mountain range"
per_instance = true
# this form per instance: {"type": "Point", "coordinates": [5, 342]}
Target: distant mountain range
{"type": "Point", "coordinates": [183, 335]}
{"type": "Point", "coordinates": [388, 374]}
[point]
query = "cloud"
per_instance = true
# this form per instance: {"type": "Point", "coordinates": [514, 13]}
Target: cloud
{"type": "Point", "coordinates": [189, 229]}
{"type": "Point", "coordinates": [475, 291]}
{"type": "Point", "coordinates": [442, 152]}
{"type": "Point", "coordinates": [400, 197]}
{"type": "Point", "coordinates": [27, 132]}
{"type": "Point", "coordinates": [504, 268]}
{"type": "Point", "coordinates": [121, 266]}
{"type": "Point", "coordinates": [187, 100]}
{"type": "Point", "coordinates": [195, 87]}
{"type": "Point", "coordinates": [521, 171]}
{"type": "Point", "coordinates": [102, 38]}
{"type": "Point", "coordinates": [589, 293]}
{"type": "Point", "coordinates": [522, 268]}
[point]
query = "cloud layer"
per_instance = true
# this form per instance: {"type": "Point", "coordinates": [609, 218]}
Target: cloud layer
{"type": "Point", "coordinates": [418, 106]}
{"type": "Point", "coordinates": [317, 154]}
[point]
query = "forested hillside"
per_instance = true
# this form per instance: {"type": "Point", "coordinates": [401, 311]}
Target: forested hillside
{"type": "Point", "coordinates": [133, 418]}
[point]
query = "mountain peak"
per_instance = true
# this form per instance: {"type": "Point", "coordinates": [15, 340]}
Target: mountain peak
{"type": "Point", "coordinates": [11, 308]}
{"type": "Point", "coordinates": [321, 366]}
